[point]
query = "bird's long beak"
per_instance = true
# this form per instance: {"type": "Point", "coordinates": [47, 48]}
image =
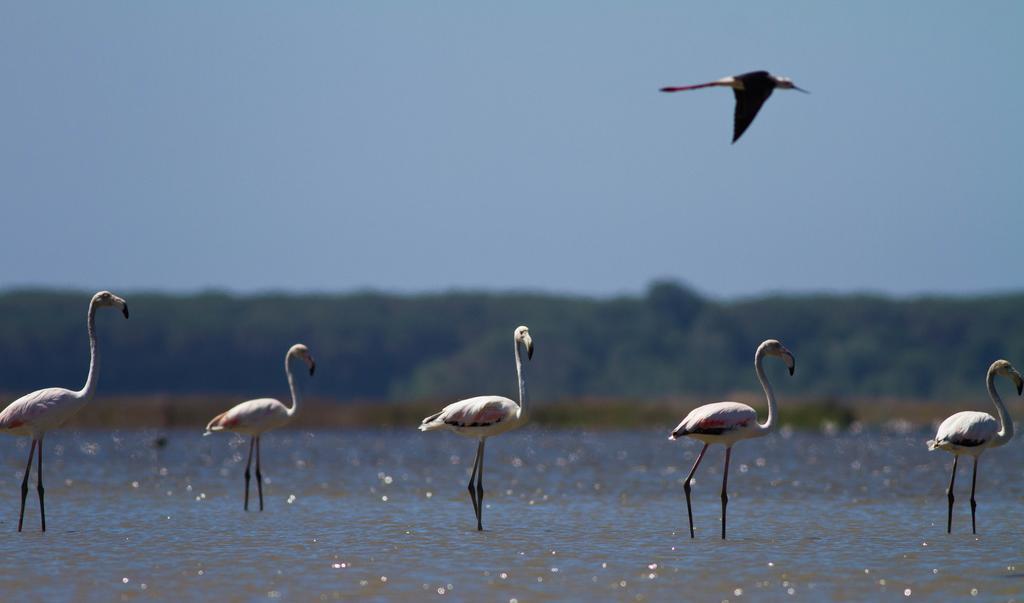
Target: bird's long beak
{"type": "Point", "coordinates": [529, 347]}
{"type": "Point", "coordinates": [1019, 382]}
{"type": "Point", "coordinates": [801, 89]}
{"type": "Point", "coordinates": [124, 310]}
{"type": "Point", "coordinates": [312, 367]}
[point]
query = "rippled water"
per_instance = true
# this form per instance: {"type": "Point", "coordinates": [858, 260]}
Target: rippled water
{"type": "Point", "coordinates": [569, 515]}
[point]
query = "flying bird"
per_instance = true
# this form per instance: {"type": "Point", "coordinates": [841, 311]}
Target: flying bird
{"type": "Point", "coordinates": [36, 413]}
{"type": "Point", "coordinates": [254, 417]}
{"type": "Point", "coordinates": [729, 422]}
{"type": "Point", "coordinates": [971, 433]}
{"type": "Point", "coordinates": [483, 417]}
{"type": "Point", "coordinates": [751, 90]}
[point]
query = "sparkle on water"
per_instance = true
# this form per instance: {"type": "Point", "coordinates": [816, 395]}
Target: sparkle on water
{"type": "Point", "coordinates": [568, 515]}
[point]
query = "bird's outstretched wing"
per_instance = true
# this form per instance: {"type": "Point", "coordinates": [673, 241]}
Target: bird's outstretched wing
{"type": "Point", "coordinates": [748, 103]}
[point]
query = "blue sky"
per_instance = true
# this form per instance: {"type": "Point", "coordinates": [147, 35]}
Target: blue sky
{"type": "Point", "coordinates": [420, 147]}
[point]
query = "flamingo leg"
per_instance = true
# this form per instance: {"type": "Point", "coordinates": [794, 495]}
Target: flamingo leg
{"type": "Point", "coordinates": [949, 496]}
{"type": "Point", "coordinates": [480, 488]}
{"type": "Point", "coordinates": [974, 505]}
{"type": "Point", "coordinates": [472, 483]}
{"type": "Point", "coordinates": [39, 487]}
{"type": "Point", "coordinates": [248, 464]}
{"type": "Point", "coordinates": [24, 483]}
{"type": "Point", "coordinates": [259, 476]}
{"type": "Point", "coordinates": [725, 484]}
{"type": "Point", "coordinates": [686, 486]}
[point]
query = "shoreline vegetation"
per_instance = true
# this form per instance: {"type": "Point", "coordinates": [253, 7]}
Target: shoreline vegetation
{"type": "Point", "coordinates": [161, 411]}
{"type": "Point", "coordinates": [632, 361]}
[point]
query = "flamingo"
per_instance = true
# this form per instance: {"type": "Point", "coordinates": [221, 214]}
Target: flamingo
{"type": "Point", "coordinates": [45, 409]}
{"type": "Point", "coordinates": [483, 417]}
{"type": "Point", "coordinates": [971, 433]}
{"type": "Point", "coordinates": [255, 417]}
{"type": "Point", "coordinates": [729, 422]}
{"type": "Point", "coordinates": [751, 91]}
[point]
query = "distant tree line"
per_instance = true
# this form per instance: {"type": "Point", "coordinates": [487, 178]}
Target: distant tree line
{"type": "Point", "coordinates": [372, 346]}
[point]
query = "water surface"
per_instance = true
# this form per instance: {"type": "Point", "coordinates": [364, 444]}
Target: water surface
{"type": "Point", "coordinates": [569, 515]}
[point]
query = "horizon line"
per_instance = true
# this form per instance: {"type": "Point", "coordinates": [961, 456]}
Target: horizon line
{"type": "Point", "coordinates": [518, 291]}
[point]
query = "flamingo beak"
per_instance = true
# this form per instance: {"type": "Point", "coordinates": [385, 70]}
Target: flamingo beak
{"type": "Point", "coordinates": [528, 342]}
{"type": "Point", "coordinates": [1019, 382]}
{"type": "Point", "coordinates": [792, 370]}
{"type": "Point", "coordinates": [312, 367]}
{"type": "Point", "coordinates": [124, 310]}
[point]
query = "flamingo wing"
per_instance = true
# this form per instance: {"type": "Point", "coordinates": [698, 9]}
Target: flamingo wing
{"type": "Point", "coordinates": [482, 411]}
{"type": "Point", "coordinates": [40, 406]}
{"type": "Point", "coordinates": [262, 413]}
{"type": "Point", "coordinates": [715, 419]}
{"type": "Point", "coordinates": [965, 429]}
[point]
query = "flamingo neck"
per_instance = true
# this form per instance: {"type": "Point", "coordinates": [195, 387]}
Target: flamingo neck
{"type": "Point", "coordinates": [1005, 422]}
{"type": "Point", "coordinates": [291, 384]}
{"type": "Point", "coordinates": [521, 375]}
{"type": "Point", "coordinates": [769, 425]}
{"type": "Point", "coordinates": [94, 356]}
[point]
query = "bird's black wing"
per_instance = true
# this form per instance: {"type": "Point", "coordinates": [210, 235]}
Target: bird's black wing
{"type": "Point", "coordinates": [748, 103]}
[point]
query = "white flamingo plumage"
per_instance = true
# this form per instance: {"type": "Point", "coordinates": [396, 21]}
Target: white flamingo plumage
{"type": "Point", "coordinates": [46, 409]}
{"type": "Point", "coordinates": [255, 417]}
{"type": "Point", "coordinates": [729, 422]}
{"type": "Point", "coordinates": [483, 417]}
{"type": "Point", "coordinates": [971, 433]}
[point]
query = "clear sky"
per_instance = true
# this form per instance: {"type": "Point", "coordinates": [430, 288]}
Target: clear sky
{"type": "Point", "coordinates": [419, 146]}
